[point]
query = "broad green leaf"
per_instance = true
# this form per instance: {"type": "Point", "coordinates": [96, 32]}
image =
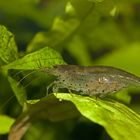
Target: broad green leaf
{"type": "Point", "coordinates": [60, 32]}
{"type": "Point", "coordinates": [19, 90]}
{"type": "Point", "coordinates": [46, 57]}
{"type": "Point", "coordinates": [39, 41]}
{"type": "Point", "coordinates": [49, 108]}
{"type": "Point", "coordinates": [8, 48]}
{"type": "Point", "coordinates": [5, 124]}
{"type": "Point", "coordinates": [119, 121]}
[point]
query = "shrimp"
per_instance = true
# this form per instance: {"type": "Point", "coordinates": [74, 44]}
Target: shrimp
{"type": "Point", "coordinates": [96, 81]}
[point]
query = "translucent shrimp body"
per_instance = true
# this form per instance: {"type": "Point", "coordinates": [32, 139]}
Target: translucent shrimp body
{"type": "Point", "coordinates": [92, 80]}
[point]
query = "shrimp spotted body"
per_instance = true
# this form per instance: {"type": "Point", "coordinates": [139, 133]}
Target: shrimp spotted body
{"type": "Point", "coordinates": [91, 80]}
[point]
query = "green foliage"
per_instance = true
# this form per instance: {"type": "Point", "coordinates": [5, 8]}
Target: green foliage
{"type": "Point", "coordinates": [5, 124]}
{"type": "Point", "coordinates": [48, 108]}
{"type": "Point", "coordinates": [112, 115]}
{"type": "Point", "coordinates": [45, 57]}
{"type": "Point", "coordinates": [8, 48]}
{"type": "Point", "coordinates": [102, 112]}
{"type": "Point", "coordinates": [83, 32]}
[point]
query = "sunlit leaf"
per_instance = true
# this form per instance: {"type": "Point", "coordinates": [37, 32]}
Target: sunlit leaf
{"type": "Point", "coordinates": [117, 119]}
{"type": "Point", "coordinates": [46, 57]}
{"type": "Point", "coordinates": [5, 124]}
{"type": "Point", "coordinates": [8, 48]}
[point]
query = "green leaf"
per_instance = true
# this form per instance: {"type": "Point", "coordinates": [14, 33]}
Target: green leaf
{"type": "Point", "coordinates": [60, 32]}
{"type": "Point", "coordinates": [49, 108]}
{"type": "Point", "coordinates": [90, 16]}
{"type": "Point", "coordinates": [8, 48]}
{"type": "Point", "coordinates": [33, 101]}
{"type": "Point", "coordinates": [19, 91]}
{"type": "Point", "coordinates": [118, 120]}
{"type": "Point", "coordinates": [52, 109]}
{"type": "Point", "coordinates": [45, 57]}
{"type": "Point", "coordinates": [5, 124]}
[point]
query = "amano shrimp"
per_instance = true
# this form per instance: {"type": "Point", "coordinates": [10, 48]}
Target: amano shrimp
{"type": "Point", "coordinates": [91, 80]}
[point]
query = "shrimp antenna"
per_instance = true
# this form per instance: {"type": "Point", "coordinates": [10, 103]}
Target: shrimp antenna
{"type": "Point", "coordinates": [25, 77]}
{"type": "Point", "coordinates": [18, 73]}
{"type": "Point", "coordinates": [41, 70]}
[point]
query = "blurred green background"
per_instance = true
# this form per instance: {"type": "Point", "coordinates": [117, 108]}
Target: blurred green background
{"type": "Point", "coordinates": [85, 32]}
